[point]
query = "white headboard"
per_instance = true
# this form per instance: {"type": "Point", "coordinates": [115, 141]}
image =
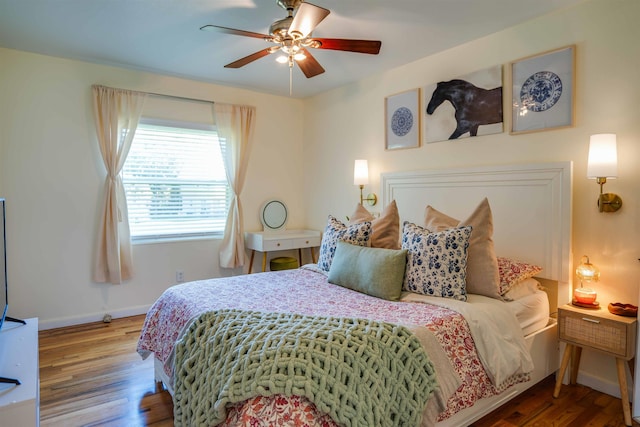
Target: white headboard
{"type": "Point", "coordinates": [531, 206]}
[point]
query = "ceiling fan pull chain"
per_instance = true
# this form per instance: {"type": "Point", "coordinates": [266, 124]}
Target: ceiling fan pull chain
{"type": "Point", "coordinates": [291, 80]}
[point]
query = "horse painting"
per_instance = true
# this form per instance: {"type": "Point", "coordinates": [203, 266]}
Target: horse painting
{"type": "Point", "coordinates": [473, 106]}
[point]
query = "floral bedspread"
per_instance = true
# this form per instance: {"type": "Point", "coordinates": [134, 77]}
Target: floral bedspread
{"type": "Point", "coordinates": [306, 292]}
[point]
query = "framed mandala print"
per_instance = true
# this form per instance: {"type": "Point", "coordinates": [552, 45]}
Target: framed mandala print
{"type": "Point", "coordinates": [402, 120]}
{"type": "Point", "coordinates": [543, 91]}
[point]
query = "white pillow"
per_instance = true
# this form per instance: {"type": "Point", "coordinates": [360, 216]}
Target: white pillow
{"type": "Point", "coordinates": [522, 289]}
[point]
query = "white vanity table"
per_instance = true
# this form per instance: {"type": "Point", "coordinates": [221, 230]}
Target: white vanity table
{"type": "Point", "coordinates": [268, 241]}
{"type": "Point", "coordinates": [276, 237]}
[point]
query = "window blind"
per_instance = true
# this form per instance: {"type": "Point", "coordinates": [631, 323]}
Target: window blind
{"type": "Point", "coordinates": [175, 181]}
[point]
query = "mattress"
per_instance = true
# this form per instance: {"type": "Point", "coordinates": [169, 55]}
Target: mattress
{"type": "Point", "coordinates": [532, 311]}
{"type": "Point", "coordinates": [307, 292]}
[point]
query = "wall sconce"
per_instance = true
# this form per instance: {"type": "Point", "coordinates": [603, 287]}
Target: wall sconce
{"type": "Point", "coordinates": [361, 178]}
{"type": "Point", "coordinates": [586, 272]}
{"type": "Point", "coordinates": [603, 164]}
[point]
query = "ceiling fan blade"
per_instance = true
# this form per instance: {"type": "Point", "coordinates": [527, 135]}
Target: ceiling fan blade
{"type": "Point", "coordinates": [310, 65]}
{"type": "Point", "coordinates": [250, 58]}
{"type": "Point", "coordinates": [306, 19]}
{"type": "Point", "coordinates": [360, 46]}
{"type": "Point", "coordinates": [235, 32]}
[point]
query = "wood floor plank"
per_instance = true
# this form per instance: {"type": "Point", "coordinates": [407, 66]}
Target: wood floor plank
{"type": "Point", "coordinates": [91, 375]}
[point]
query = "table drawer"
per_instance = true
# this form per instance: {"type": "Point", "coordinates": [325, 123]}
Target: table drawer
{"type": "Point", "coordinates": [307, 242]}
{"type": "Point", "coordinates": [596, 332]}
{"type": "Point", "coordinates": [277, 244]}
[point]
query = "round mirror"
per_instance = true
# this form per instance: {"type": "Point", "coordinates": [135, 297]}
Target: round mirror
{"type": "Point", "coordinates": [273, 215]}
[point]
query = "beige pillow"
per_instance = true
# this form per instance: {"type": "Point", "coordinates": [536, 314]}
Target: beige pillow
{"type": "Point", "coordinates": [385, 230]}
{"type": "Point", "coordinates": [483, 277]}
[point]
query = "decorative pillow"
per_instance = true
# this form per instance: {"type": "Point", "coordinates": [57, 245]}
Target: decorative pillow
{"type": "Point", "coordinates": [512, 272]}
{"type": "Point", "coordinates": [385, 230]}
{"type": "Point", "coordinates": [522, 289]}
{"type": "Point", "coordinates": [482, 265]}
{"type": "Point", "coordinates": [436, 262]}
{"type": "Point", "coordinates": [358, 234]}
{"type": "Point", "coordinates": [377, 272]}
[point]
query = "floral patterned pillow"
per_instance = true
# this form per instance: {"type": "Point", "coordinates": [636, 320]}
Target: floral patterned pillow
{"type": "Point", "coordinates": [512, 272]}
{"type": "Point", "coordinates": [356, 234]}
{"type": "Point", "coordinates": [436, 262]}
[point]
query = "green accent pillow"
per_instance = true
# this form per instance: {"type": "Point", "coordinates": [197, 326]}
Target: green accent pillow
{"type": "Point", "coordinates": [377, 272]}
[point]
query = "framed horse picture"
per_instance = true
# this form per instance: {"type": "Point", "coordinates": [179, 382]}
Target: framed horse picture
{"type": "Point", "coordinates": [465, 106]}
{"type": "Point", "coordinates": [402, 120]}
{"type": "Point", "coordinates": [543, 91]}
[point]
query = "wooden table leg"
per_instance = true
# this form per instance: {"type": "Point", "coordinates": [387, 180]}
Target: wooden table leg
{"type": "Point", "coordinates": [264, 261]}
{"type": "Point", "coordinates": [575, 365]}
{"type": "Point", "coordinates": [313, 255]}
{"type": "Point", "coordinates": [299, 257]}
{"type": "Point", "coordinates": [563, 368]}
{"type": "Point", "coordinates": [624, 394]}
{"type": "Point", "coordinates": [253, 252]}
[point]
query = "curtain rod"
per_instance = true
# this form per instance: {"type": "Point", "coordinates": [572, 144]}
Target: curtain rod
{"type": "Point", "coordinates": [182, 98]}
{"type": "Point", "coordinates": [162, 95]}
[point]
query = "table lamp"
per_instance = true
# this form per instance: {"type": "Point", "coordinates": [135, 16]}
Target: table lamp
{"type": "Point", "coordinates": [586, 272]}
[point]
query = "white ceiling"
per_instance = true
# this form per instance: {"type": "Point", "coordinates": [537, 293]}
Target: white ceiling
{"type": "Point", "coordinates": [163, 36]}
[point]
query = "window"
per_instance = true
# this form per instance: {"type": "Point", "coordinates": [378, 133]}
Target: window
{"type": "Point", "coordinates": [175, 181]}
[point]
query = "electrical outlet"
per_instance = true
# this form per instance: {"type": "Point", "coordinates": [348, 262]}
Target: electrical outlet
{"type": "Point", "coordinates": [179, 276]}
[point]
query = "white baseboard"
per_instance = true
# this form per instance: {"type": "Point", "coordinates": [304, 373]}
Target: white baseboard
{"type": "Point", "coordinates": [603, 385]}
{"type": "Point", "coordinates": [93, 317]}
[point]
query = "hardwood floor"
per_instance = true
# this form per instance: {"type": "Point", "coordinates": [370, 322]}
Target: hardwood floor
{"type": "Point", "coordinates": [91, 375]}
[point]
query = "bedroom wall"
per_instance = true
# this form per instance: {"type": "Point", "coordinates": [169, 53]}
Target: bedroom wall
{"type": "Point", "coordinates": [348, 123]}
{"type": "Point", "coordinates": [52, 176]}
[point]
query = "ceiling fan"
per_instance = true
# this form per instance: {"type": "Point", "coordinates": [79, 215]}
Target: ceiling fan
{"type": "Point", "coordinates": [292, 36]}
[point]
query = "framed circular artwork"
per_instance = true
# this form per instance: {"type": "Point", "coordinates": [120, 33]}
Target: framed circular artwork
{"type": "Point", "coordinates": [543, 91]}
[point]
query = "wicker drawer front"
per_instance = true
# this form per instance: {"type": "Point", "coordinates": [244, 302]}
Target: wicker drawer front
{"type": "Point", "coordinates": [595, 332]}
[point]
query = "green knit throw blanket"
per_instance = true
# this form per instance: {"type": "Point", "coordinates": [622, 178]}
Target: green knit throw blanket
{"type": "Point", "coordinates": [360, 372]}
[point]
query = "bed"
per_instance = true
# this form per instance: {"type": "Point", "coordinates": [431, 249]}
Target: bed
{"type": "Point", "coordinates": [467, 376]}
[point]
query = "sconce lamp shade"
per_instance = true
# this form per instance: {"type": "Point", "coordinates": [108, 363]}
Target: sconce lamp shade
{"type": "Point", "coordinates": [603, 156]}
{"type": "Point", "coordinates": [360, 173]}
{"type": "Point", "coordinates": [361, 178]}
{"type": "Point", "coordinates": [602, 164]}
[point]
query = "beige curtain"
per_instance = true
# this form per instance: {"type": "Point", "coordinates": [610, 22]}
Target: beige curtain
{"type": "Point", "coordinates": [117, 113]}
{"type": "Point", "coordinates": [235, 124]}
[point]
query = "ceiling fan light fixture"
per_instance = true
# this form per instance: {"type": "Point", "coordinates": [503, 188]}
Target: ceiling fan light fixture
{"type": "Point", "coordinates": [292, 36]}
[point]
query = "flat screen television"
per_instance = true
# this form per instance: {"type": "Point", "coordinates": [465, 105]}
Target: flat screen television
{"type": "Point", "coordinates": [4, 285]}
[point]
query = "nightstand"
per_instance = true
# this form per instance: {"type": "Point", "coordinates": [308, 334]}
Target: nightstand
{"type": "Point", "coordinates": [601, 331]}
